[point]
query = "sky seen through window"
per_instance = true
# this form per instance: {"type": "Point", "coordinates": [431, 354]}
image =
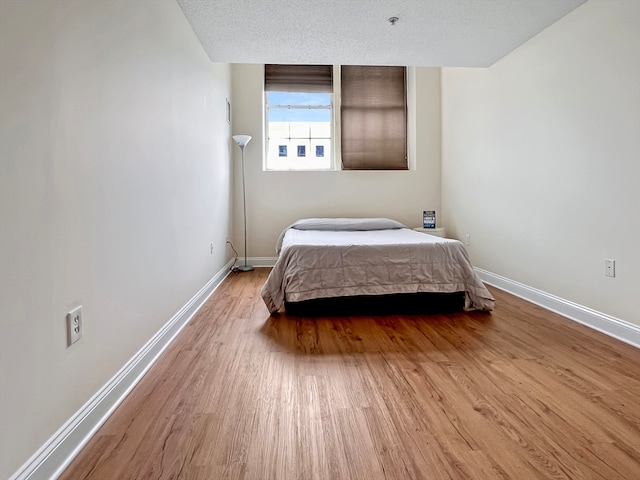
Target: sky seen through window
{"type": "Point", "coordinates": [276, 99]}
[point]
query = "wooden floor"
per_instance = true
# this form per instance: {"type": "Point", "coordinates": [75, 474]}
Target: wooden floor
{"type": "Point", "coordinates": [520, 393]}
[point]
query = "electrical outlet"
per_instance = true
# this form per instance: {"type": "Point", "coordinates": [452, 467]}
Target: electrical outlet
{"type": "Point", "coordinates": [467, 239]}
{"type": "Point", "coordinates": [74, 325]}
{"type": "Point", "coordinates": [609, 267]}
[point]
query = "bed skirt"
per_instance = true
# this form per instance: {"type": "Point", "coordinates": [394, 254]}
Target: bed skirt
{"type": "Point", "coordinates": [392, 304]}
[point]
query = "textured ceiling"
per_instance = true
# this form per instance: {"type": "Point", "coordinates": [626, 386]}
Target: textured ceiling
{"type": "Point", "coordinates": [454, 33]}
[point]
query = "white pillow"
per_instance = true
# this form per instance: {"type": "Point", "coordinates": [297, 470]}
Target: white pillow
{"type": "Point", "coordinates": [346, 224]}
{"type": "Point", "coordinates": [340, 224]}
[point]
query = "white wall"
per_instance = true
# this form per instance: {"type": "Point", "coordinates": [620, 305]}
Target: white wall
{"type": "Point", "coordinates": [115, 177]}
{"type": "Point", "coordinates": [541, 159]}
{"type": "Point", "coordinates": [276, 199]}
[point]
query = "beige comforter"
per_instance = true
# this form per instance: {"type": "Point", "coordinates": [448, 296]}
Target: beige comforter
{"type": "Point", "coordinates": [322, 264]}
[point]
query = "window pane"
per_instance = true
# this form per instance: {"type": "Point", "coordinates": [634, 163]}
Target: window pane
{"type": "Point", "coordinates": [299, 114]}
{"type": "Point", "coordinates": [319, 150]}
{"type": "Point", "coordinates": [320, 129]}
{"type": "Point", "coordinates": [278, 130]}
{"type": "Point", "coordinates": [282, 150]}
{"type": "Point", "coordinates": [299, 130]}
{"type": "Point", "coordinates": [301, 150]}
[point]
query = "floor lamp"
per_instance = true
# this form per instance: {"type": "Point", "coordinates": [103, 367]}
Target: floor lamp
{"type": "Point", "coordinates": [242, 141]}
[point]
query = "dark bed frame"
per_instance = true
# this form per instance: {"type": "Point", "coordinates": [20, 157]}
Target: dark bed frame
{"type": "Point", "coordinates": [393, 304]}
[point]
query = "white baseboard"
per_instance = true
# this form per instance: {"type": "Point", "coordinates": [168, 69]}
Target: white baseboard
{"type": "Point", "coordinates": [55, 455]}
{"type": "Point", "coordinates": [262, 261]}
{"type": "Point", "coordinates": [614, 327]}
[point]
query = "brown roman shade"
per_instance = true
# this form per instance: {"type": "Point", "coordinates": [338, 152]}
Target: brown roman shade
{"type": "Point", "coordinates": [298, 78]}
{"type": "Point", "coordinates": [373, 118]}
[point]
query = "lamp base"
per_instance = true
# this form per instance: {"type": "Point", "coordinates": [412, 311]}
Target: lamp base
{"type": "Point", "coordinates": [245, 268]}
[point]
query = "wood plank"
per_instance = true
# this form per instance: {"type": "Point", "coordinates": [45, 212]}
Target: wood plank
{"type": "Point", "coordinates": [520, 393]}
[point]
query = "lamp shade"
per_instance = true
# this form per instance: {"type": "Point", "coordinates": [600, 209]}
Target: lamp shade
{"type": "Point", "coordinates": [242, 140]}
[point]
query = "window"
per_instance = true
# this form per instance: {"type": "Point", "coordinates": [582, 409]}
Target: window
{"type": "Point", "coordinates": [371, 114]}
{"type": "Point", "coordinates": [373, 118]}
{"type": "Point", "coordinates": [299, 115]}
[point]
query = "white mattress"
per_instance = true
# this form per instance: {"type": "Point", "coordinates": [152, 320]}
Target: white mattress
{"type": "Point", "coordinates": [397, 236]}
{"type": "Point", "coordinates": [324, 264]}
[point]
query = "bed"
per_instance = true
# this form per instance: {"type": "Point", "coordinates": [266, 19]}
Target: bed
{"type": "Point", "coordinates": [371, 259]}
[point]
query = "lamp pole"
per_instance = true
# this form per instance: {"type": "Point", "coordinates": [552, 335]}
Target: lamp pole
{"type": "Point", "coordinates": [242, 141]}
